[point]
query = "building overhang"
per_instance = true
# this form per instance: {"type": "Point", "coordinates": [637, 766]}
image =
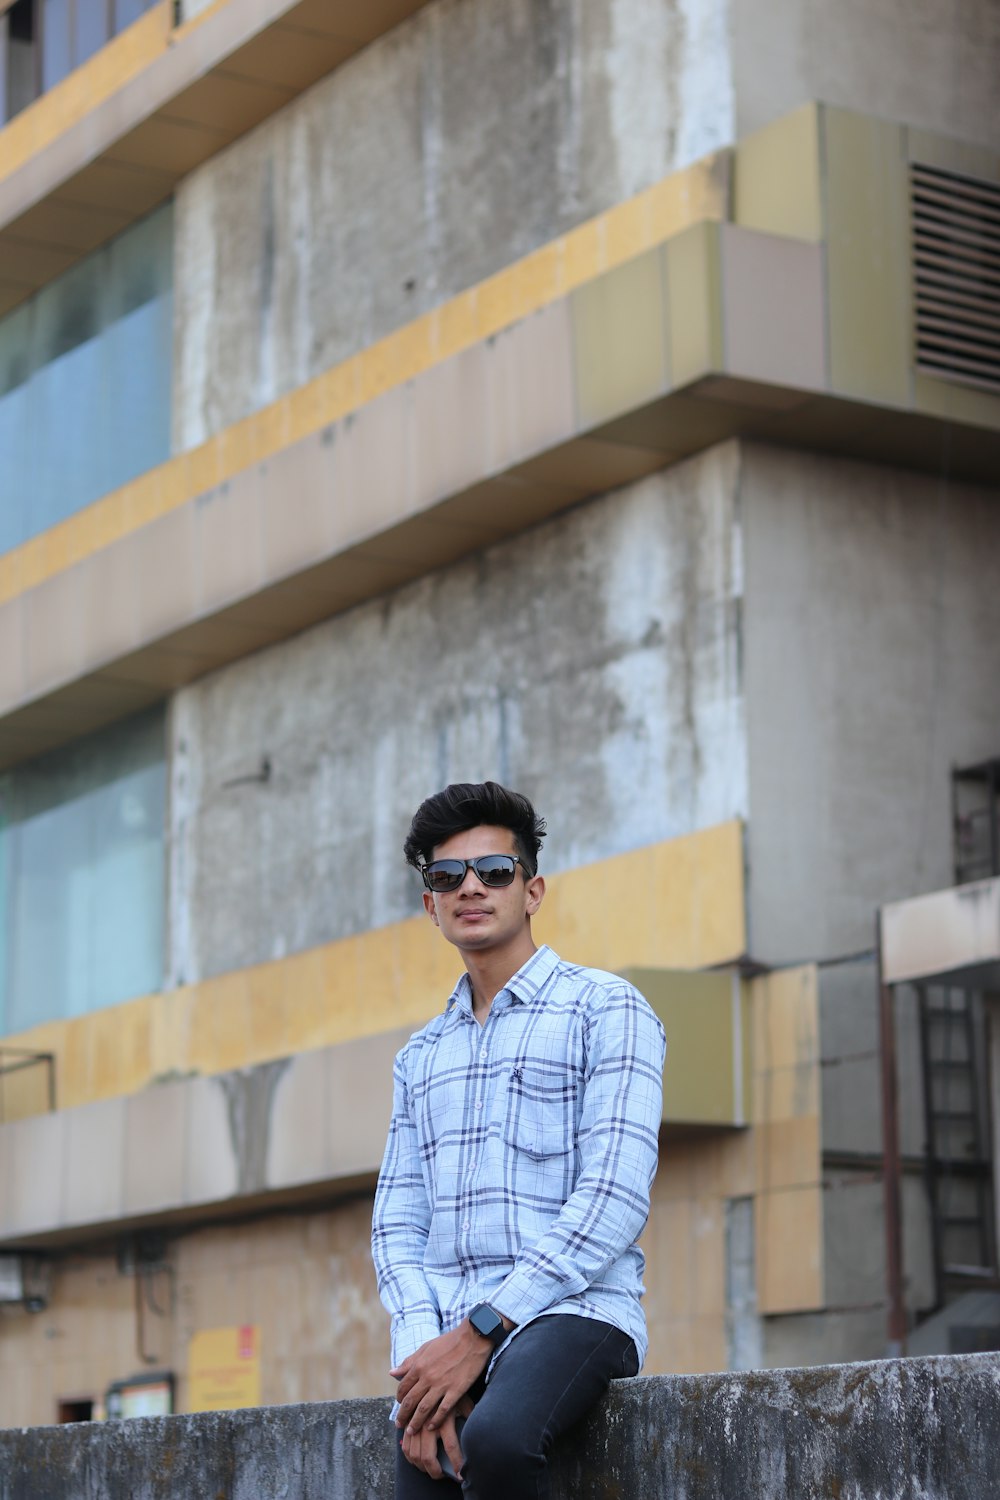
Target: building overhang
{"type": "Point", "coordinates": [949, 937]}
{"type": "Point", "coordinates": [299, 1129]}
{"type": "Point", "coordinates": [103, 147]}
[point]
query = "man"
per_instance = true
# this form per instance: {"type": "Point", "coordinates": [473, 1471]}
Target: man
{"type": "Point", "coordinates": [516, 1177]}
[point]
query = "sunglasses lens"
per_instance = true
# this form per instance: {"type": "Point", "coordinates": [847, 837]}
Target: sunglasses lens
{"type": "Point", "coordinates": [495, 869]}
{"type": "Point", "coordinates": [492, 869]}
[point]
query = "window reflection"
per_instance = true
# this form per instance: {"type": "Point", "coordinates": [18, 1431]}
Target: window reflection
{"type": "Point", "coordinates": [81, 876]}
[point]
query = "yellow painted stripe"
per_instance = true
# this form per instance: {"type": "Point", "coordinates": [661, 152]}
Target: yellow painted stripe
{"type": "Point", "coordinates": [677, 904]}
{"type": "Point", "coordinates": [685, 198]}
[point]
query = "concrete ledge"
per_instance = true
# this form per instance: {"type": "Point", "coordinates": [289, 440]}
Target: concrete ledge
{"type": "Point", "coordinates": [884, 1431]}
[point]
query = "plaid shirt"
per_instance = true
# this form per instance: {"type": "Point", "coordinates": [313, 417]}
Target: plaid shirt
{"type": "Point", "coordinates": [520, 1156]}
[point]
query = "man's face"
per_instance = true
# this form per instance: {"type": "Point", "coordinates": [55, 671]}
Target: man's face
{"type": "Point", "coordinates": [478, 918]}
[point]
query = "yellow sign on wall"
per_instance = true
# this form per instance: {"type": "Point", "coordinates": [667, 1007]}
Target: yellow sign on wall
{"type": "Point", "coordinates": [224, 1368]}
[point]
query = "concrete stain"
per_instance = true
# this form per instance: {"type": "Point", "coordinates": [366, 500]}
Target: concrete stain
{"type": "Point", "coordinates": [249, 1096]}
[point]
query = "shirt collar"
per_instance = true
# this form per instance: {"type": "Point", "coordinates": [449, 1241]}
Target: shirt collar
{"type": "Point", "coordinates": [524, 986]}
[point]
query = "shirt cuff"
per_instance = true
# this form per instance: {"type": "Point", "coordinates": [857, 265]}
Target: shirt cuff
{"type": "Point", "coordinates": [408, 1334]}
{"type": "Point", "coordinates": [517, 1298]}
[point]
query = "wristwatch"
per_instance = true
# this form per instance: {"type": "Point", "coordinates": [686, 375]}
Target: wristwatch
{"type": "Point", "coordinates": [490, 1324]}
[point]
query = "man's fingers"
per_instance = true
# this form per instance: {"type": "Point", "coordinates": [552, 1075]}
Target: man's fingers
{"type": "Point", "coordinates": [430, 1407]}
{"type": "Point", "coordinates": [453, 1447]}
{"type": "Point", "coordinates": [441, 1412]}
{"type": "Point", "coordinates": [420, 1449]}
{"type": "Point", "coordinates": [408, 1400]}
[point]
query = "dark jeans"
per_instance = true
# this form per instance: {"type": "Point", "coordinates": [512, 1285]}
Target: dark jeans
{"type": "Point", "coordinates": [549, 1377]}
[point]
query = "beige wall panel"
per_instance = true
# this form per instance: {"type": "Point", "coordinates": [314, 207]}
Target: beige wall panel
{"type": "Point", "coordinates": [708, 1260]}
{"type": "Point", "coordinates": [620, 354]}
{"type": "Point", "coordinates": [787, 1093]}
{"type": "Point", "coordinates": [374, 466]}
{"type": "Point", "coordinates": [299, 493]}
{"type": "Point", "coordinates": [8, 1139]}
{"type": "Point", "coordinates": [787, 1152]}
{"type": "Point", "coordinates": [93, 1156]}
{"type": "Point", "coordinates": [789, 1243]}
{"type": "Point", "coordinates": [109, 586]}
{"type": "Point", "coordinates": [153, 1175]}
{"type": "Point", "coordinates": [785, 1020]}
{"type": "Point", "coordinates": [867, 258]}
{"type": "Point", "coordinates": [776, 180]}
{"type": "Point", "coordinates": [210, 1167]}
{"type": "Point", "coordinates": [774, 313]}
{"type": "Point", "coordinates": [230, 546]}
{"type": "Point", "coordinates": [297, 1144]}
{"type": "Point", "coordinates": [706, 1075]}
{"type": "Point", "coordinates": [530, 387]}
{"type": "Point", "coordinates": [35, 1165]}
{"type": "Point", "coordinates": [54, 643]}
{"type": "Point", "coordinates": [164, 553]}
{"type": "Point", "coordinates": [694, 313]}
{"type": "Point", "coordinates": [451, 417]}
{"type": "Point", "coordinates": [12, 657]}
{"type": "Point", "coordinates": [359, 1094]}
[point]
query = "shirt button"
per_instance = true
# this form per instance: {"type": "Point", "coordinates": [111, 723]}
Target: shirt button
{"type": "Point", "coordinates": [466, 1225]}
{"type": "Point", "coordinates": [479, 1103]}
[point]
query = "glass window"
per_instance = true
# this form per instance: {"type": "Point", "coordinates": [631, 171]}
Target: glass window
{"type": "Point", "coordinates": [21, 57]}
{"type": "Point", "coordinates": [57, 42]}
{"type": "Point", "coordinates": [82, 875]}
{"type": "Point", "coordinates": [85, 375]}
{"type": "Point", "coordinates": [4, 70]}
{"type": "Point", "coordinates": [91, 28]}
{"type": "Point", "coordinates": [127, 11]}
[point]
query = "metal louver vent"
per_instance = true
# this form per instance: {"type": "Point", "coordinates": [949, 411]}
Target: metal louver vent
{"type": "Point", "coordinates": [956, 267]}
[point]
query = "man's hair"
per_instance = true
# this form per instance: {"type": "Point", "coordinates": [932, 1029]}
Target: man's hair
{"type": "Point", "coordinates": [467, 804]}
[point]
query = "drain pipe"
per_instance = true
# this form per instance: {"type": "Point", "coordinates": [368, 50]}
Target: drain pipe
{"type": "Point", "coordinates": [891, 1175]}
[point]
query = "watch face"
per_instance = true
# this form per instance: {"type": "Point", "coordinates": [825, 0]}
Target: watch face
{"type": "Point", "coordinates": [485, 1321]}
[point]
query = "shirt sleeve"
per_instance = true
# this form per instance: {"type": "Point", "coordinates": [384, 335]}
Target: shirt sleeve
{"type": "Point", "coordinates": [619, 1129]}
{"type": "Point", "coordinates": [400, 1225]}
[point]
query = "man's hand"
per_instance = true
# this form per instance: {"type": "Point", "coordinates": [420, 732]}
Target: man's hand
{"type": "Point", "coordinates": [421, 1448]}
{"type": "Point", "coordinates": [432, 1381]}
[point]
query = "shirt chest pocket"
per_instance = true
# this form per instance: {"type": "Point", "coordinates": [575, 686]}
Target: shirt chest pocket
{"type": "Point", "coordinates": [540, 1118]}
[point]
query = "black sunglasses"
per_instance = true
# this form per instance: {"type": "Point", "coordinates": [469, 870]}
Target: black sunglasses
{"type": "Point", "coordinates": [494, 870]}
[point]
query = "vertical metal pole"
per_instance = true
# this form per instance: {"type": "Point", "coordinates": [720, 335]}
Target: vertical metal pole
{"type": "Point", "coordinates": [896, 1330]}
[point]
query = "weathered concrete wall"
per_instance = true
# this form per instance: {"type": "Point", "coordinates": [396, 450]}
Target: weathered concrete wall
{"type": "Point", "coordinates": [593, 661]}
{"type": "Point", "coordinates": [470, 135]}
{"type": "Point", "coordinates": [928, 1427]}
{"type": "Point", "coordinates": [480, 129]}
{"type": "Point", "coordinates": [933, 63]}
{"type": "Point", "coordinates": [872, 662]}
{"type": "Point", "coordinates": [872, 667]}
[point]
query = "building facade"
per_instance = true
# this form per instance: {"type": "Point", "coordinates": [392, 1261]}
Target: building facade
{"type": "Point", "coordinates": [603, 398]}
